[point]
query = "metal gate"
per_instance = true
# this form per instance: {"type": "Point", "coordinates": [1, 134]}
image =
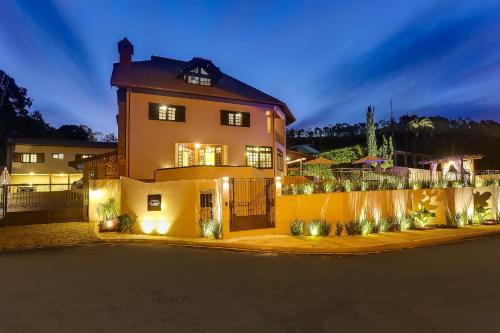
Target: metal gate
{"type": "Point", "coordinates": [41, 203]}
{"type": "Point", "coordinates": [251, 203]}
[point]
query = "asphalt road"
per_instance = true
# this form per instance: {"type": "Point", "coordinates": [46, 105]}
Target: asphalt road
{"type": "Point", "coordinates": [153, 288]}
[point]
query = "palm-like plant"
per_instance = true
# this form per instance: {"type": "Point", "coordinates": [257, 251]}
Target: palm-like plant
{"type": "Point", "coordinates": [418, 124]}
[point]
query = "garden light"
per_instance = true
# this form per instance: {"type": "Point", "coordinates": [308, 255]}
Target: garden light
{"type": "Point", "coordinates": [147, 226]}
{"type": "Point", "coordinates": [162, 227]}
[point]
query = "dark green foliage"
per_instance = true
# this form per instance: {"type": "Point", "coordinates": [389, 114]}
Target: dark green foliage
{"type": "Point", "coordinates": [421, 218]}
{"type": "Point", "coordinates": [353, 227]}
{"type": "Point", "coordinates": [448, 137]}
{"type": "Point", "coordinates": [319, 228]}
{"type": "Point", "coordinates": [126, 223]}
{"type": "Point", "coordinates": [371, 139]}
{"type": "Point", "coordinates": [297, 227]}
{"type": "Point", "coordinates": [344, 155]}
{"type": "Point", "coordinates": [210, 229]}
{"type": "Point", "coordinates": [339, 227]}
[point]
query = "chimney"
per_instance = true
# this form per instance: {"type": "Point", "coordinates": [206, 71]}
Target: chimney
{"type": "Point", "coordinates": [126, 50]}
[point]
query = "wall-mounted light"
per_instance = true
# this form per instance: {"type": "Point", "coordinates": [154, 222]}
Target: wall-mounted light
{"type": "Point", "coordinates": [94, 194]}
{"type": "Point", "coordinates": [32, 173]}
{"type": "Point", "coordinates": [197, 145]}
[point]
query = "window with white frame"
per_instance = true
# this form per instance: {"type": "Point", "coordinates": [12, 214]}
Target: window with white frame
{"type": "Point", "coordinates": [29, 158]}
{"type": "Point", "coordinates": [199, 76]}
{"type": "Point", "coordinates": [57, 156]}
{"type": "Point", "coordinates": [166, 112]}
{"type": "Point", "coordinates": [259, 157]}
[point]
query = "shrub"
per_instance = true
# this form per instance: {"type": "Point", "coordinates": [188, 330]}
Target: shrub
{"type": "Point", "coordinates": [421, 218]}
{"type": "Point", "coordinates": [107, 210]}
{"type": "Point", "coordinates": [480, 214]}
{"type": "Point", "coordinates": [338, 228]}
{"type": "Point", "coordinates": [399, 223]}
{"type": "Point", "coordinates": [297, 227]}
{"type": "Point", "coordinates": [367, 226]}
{"type": "Point", "coordinates": [456, 221]}
{"type": "Point", "coordinates": [325, 228]}
{"type": "Point", "coordinates": [319, 228]}
{"type": "Point", "coordinates": [347, 185]}
{"type": "Point", "coordinates": [353, 227]}
{"type": "Point", "coordinates": [126, 223]}
{"type": "Point", "coordinates": [211, 229]}
{"type": "Point", "coordinates": [381, 226]}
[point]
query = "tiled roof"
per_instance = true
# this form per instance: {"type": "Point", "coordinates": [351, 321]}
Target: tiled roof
{"type": "Point", "coordinates": [163, 74]}
{"type": "Point", "coordinates": [59, 143]}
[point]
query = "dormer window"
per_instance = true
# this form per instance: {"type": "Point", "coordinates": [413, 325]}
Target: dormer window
{"type": "Point", "coordinates": [198, 76]}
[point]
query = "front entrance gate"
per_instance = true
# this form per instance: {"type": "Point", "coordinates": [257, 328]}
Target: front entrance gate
{"type": "Point", "coordinates": [251, 203]}
{"type": "Point", "coordinates": [40, 203]}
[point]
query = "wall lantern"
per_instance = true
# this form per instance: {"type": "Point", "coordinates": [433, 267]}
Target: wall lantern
{"type": "Point", "coordinates": [154, 202]}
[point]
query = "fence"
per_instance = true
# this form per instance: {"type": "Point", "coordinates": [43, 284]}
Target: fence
{"type": "Point", "coordinates": [346, 180]}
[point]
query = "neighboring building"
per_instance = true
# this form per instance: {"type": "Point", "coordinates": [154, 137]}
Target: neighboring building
{"type": "Point", "coordinates": [43, 161]}
{"type": "Point", "coordinates": [176, 114]}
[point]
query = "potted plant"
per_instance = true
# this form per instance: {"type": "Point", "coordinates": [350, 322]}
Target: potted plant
{"type": "Point", "coordinates": [107, 212]}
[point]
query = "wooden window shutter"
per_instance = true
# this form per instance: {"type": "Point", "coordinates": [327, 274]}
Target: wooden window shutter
{"type": "Point", "coordinates": [180, 113]}
{"type": "Point", "coordinates": [224, 117]}
{"type": "Point", "coordinates": [40, 157]}
{"type": "Point", "coordinates": [16, 157]}
{"type": "Point", "coordinates": [246, 119]}
{"type": "Point", "coordinates": [153, 111]}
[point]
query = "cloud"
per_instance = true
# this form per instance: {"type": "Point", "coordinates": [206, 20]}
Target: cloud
{"type": "Point", "coordinates": [439, 52]}
{"type": "Point", "coordinates": [40, 31]}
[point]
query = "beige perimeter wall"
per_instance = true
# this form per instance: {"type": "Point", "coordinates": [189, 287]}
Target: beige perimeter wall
{"type": "Point", "coordinates": [180, 207]}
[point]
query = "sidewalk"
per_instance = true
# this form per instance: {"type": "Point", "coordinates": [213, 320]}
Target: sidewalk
{"type": "Point", "coordinates": [45, 235]}
{"type": "Point", "coordinates": [320, 245]}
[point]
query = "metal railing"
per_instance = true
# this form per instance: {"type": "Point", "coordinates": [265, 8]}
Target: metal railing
{"type": "Point", "coordinates": [19, 198]}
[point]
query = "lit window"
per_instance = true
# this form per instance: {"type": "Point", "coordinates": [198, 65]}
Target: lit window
{"type": "Point", "coordinates": [259, 157]}
{"type": "Point", "coordinates": [57, 156]}
{"type": "Point", "coordinates": [162, 112]}
{"type": "Point", "coordinates": [233, 118]}
{"type": "Point", "coordinates": [184, 155]}
{"type": "Point", "coordinates": [279, 160]}
{"type": "Point", "coordinates": [210, 155]}
{"type": "Point", "coordinates": [83, 156]}
{"type": "Point", "coordinates": [166, 112]}
{"type": "Point", "coordinates": [205, 81]}
{"type": "Point", "coordinates": [198, 76]}
{"type": "Point", "coordinates": [29, 158]}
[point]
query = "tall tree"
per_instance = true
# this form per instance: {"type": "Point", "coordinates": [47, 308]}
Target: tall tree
{"type": "Point", "coordinates": [387, 152]}
{"type": "Point", "coordinates": [371, 140]}
{"type": "Point", "coordinates": [416, 125]}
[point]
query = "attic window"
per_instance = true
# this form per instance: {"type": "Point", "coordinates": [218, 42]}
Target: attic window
{"type": "Point", "coordinates": [199, 76]}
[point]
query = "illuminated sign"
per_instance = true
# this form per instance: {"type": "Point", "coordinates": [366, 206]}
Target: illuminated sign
{"type": "Point", "coordinates": [154, 202]}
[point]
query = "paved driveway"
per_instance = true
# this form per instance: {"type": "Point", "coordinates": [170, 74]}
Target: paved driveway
{"type": "Point", "coordinates": [157, 288]}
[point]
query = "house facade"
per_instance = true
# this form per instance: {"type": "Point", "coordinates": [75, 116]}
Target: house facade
{"type": "Point", "coordinates": [42, 161]}
{"type": "Point", "coordinates": [185, 119]}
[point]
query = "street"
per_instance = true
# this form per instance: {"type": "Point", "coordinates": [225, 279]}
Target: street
{"type": "Point", "coordinates": [158, 288]}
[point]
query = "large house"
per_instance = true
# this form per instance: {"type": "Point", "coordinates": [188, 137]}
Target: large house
{"type": "Point", "coordinates": [43, 161]}
{"type": "Point", "coordinates": [187, 120]}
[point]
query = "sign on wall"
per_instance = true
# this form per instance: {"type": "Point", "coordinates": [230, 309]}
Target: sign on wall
{"type": "Point", "coordinates": [154, 202]}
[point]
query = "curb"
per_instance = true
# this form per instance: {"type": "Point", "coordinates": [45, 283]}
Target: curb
{"type": "Point", "coordinates": [369, 249]}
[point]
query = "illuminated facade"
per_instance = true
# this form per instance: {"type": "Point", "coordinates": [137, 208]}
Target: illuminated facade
{"type": "Point", "coordinates": [41, 161]}
{"type": "Point", "coordinates": [178, 114]}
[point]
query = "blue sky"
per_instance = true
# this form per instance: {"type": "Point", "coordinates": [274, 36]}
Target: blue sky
{"type": "Point", "coordinates": [328, 60]}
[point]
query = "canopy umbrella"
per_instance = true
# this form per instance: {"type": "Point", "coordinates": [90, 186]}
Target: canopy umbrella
{"type": "Point", "coordinates": [369, 160]}
{"type": "Point", "coordinates": [320, 161]}
{"type": "Point", "coordinates": [4, 177]}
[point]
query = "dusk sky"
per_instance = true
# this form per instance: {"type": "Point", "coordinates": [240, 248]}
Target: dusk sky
{"type": "Point", "coordinates": [328, 60]}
